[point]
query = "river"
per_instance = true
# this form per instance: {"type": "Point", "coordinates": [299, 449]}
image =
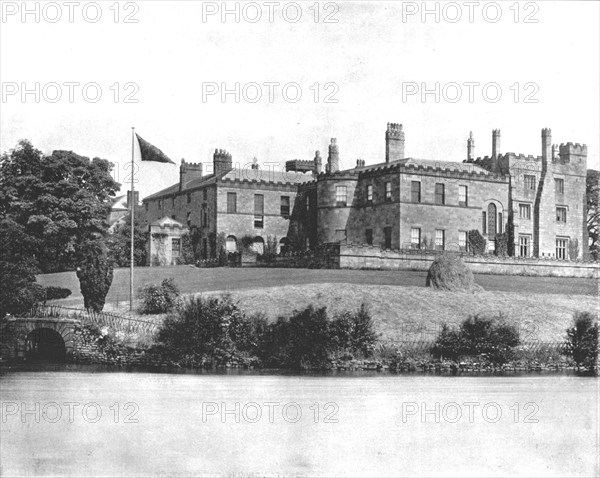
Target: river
{"type": "Point", "coordinates": [79, 421]}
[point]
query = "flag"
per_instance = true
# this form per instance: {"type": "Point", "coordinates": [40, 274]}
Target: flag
{"type": "Point", "coordinates": [151, 153]}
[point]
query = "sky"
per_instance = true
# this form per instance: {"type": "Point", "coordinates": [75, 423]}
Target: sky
{"type": "Point", "coordinates": [80, 77]}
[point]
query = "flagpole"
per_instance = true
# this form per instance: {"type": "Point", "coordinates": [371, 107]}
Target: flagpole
{"type": "Point", "coordinates": [132, 202]}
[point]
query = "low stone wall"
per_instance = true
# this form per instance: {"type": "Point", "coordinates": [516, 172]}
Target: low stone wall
{"type": "Point", "coordinates": [371, 257]}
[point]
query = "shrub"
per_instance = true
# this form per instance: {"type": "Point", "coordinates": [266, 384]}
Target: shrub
{"type": "Point", "coordinates": [188, 255]}
{"type": "Point", "coordinates": [451, 273]}
{"type": "Point", "coordinates": [54, 293]}
{"type": "Point", "coordinates": [488, 338]}
{"type": "Point", "coordinates": [158, 299]}
{"type": "Point", "coordinates": [207, 329]}
{"type": "Point", "coordinates": [501, 244]}
{"type": "Point", "coordinates": [582, 341]}
{"type": "Point", "coordinates": [573, 249]}
{"type": "Point", "coordinates": [95, 274]}
{"type": "Point", "coordinates": [354, 332]}
{"type": "Point", "coordinates": [477, 243]}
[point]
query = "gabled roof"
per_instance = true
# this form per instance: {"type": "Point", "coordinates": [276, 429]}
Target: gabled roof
{"type": "Point", "coordinates": [167, 222]}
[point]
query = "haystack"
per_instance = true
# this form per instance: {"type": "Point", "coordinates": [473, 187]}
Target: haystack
{"type": "Point", "coordinates": [451, 273]}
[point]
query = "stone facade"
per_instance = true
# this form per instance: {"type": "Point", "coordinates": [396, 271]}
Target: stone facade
{"type": "Point", "coordinates": [398, 204]}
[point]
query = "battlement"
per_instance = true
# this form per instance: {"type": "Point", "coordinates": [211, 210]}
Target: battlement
{"type": "Point", "coordinates": [394, 130]}
{"type": "Point", "coordinates": [572, 149]}
{"type": "Point", "coordinates": [523, 157]}
{"type": "Point", "coordinates": [221, 154]}
{"type": "Point", "coordinates": [190, 166]}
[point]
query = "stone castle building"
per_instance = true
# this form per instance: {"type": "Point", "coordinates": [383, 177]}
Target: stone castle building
{"type": "Point", "coordinates": [400, 203]}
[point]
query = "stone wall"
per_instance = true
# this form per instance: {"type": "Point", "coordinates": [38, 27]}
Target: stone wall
{"type": "Point", "coordinates": [366, 257]}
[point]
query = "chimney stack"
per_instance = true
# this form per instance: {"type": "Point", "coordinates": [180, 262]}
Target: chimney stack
{"type": "Point", "coordinates": [187, 172]}
{"type": "Point", "coordinates": [394, 142]}
{"type": "Point", "coordinates": [546, 145]}
{"type": "Point", "coordinates": [318, 162]}
{"type": "Point", "coordinates": [470, 147]}
{"type": "Point", "coordinates": [495, 144]}
{"type": "Point", "coordinates": [333, 160]}
{"type": "Point", "coordinates": [221, 162]}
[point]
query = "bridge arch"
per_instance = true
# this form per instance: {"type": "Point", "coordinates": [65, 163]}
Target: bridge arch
{"type": "Point", "coordinates": [45, 344]}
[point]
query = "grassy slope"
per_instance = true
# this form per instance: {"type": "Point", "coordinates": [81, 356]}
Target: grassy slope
{"type": "Point", "coordinates": [416, 313]}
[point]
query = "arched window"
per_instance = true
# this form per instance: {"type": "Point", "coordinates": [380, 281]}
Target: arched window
{"type": "Point", "coordinates": [491, 217]}
{"type": "Point", "coordinates": [231, 244]}
{"type": "Point", "coordinates": [258, 245]}
{"type": "Point", "coordinates": [284, 245]}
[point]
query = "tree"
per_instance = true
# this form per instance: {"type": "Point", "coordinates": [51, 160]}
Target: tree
{"type": "Point", "coordinates": [582, 341]}
{"type": "Point", "coordinates": [477, 243]}
{"type": "Point", "coordinates": [95, 274]}
{"type": "Point", "coordinates": [18, 288]}
{"type": "Point", "coordinates": [119, 242]}
{"type": "Point", "coordinates": [592, 190]}
{"type": "Point", "coordinates": [61, 200]}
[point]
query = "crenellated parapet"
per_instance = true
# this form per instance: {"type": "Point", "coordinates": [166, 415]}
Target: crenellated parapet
{"type": "Point", "coordinates": [572, 149]}
{"type": "Point", "coordinates": [300, 165]}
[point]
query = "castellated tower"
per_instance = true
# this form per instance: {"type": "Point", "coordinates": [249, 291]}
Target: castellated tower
{"type": "Point", "coordinates": [333, 160]}
{"type": "Point", "coordinates": [394, 142]}
{"type": "Point", "coordinates": [470, 147]}
{"type": "Point", "coordinates": [187, 172]}
{"type": "Point", "coordinates": [221, 162]}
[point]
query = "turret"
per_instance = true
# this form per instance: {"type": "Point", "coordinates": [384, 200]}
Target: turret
{"type": "Point", "coordinates": [470, 147]}
{"type": "Point", "coordinates": [221, 162]}
{"type": "Point", "coordinates": [394, 142]}
{"type": "Point", "coordinates": [318, 162]}
{"type": "Point", "coordinates": [187, 172]}
{"type": "Point", "coordinates": [333, 160]}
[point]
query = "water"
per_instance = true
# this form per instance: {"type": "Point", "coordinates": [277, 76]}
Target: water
{"type": "Point", "coordinates": [149, 424]}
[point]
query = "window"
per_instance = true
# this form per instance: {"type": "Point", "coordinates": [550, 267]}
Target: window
{"type": "Point", "coordinates": [259, 211]}
{"type": "Point", "coordinates": [559, 185]}
{"type": "Point", "coordinates": [189, 198]}
{"type": "Point", "coordinates": [387, 237]}
{"type": "Point", "coordinates": [307, 202]}
{"type": "Point", "coordinates": [173, 201]}
{"type": "Point", "coordinates": [205, 194]}
{"type": "Point", "coordinates": [483, 223]}
{"type": "Point", "coordinates": [462, 240]}
{"type": "Point", "coordinates": [524, 246]}
{"type": "Point", "coordinates": [340, 195]}
{"type": "Point", "coordinates": [370, 193]}
{"type": "Point", "coordinates": [188, 219]}
{"type": "Point", "coordinates": [529, 182]}
{"type": "Point", "coordinates": [204, 216]}
{"type": "Point", "coordinates": [561, 248]}
{"type": "Point", "coordinates": [561, 214]}
{"type": "Point", "coordinates": [231, 203]}
{"type": "Point", "coordinates": [369, 236]}
{"type": "Point", "coordinates": [175, 247]}
{"type": "Point", "coordinates": [462, 196]}
{"type": "Point", "coordinates": [160, 204]}
{"type": "Point", "coordinates": [146, 206]}
{"type": "Point", "coordinates": [388, 191]}
{"type": "Point", "coordinates": [440, 194]}
{"type": "Point", "coordinates": [415, 238]}
{"type": "Point", "coordinates": [415, 191]}
{"type": "Point", "coordinates": [440, 236]}
{"type": "Point", "coordinates": [525, 211]}
{"type": "Point", "coordinates": [285, 206]}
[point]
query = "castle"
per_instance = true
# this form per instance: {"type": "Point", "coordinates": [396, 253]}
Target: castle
{"type": "Point", "coordinates": [401, 203]}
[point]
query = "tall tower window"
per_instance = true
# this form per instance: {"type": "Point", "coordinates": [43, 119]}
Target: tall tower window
{"type": "Point", "coordinates": [341, 195]}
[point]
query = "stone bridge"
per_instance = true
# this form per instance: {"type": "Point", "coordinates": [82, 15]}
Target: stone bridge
{"type": "Point", "coordinates": [48, 338]}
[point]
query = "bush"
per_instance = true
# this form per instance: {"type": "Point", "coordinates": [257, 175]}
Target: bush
{"type": "Point", "coordinates": [491, 339]}
{"type": "Point", "coordinates": [95, 274]}
{"type": "Point", "coordinates": [354, 332]}
{"type": "Point", "coordinates": [501, 244]}
{"type": "Point", "coordinates": [573, 249]}
{"type": "Point", "coordinates": [451, 273]}
{"type": "Point", "coordinates": [206, 330]}
{"type": "Point", "coordinates": [158, 299]}
{"type": "Point", "coordinates": [477, 243]}
{"type": "Point", "coordinates": [54, 293]}
{"type": "Point", "coordinates": [582, 341]}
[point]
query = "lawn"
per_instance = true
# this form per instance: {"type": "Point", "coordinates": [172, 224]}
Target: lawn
{"type": "Point", "coordinates": [402, 308]}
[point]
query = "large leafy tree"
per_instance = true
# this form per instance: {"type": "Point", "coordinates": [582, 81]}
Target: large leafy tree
{"type": "Point", "coordinates": [61, 200]}
{"type": "Point", "coordinates": [592, 190]}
